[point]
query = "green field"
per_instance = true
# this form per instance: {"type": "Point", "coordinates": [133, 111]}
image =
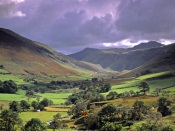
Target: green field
{"type": "Point", "coordinates": [60, 96]}
{"type": "Point", "coordinates": [44, 116]}
{"type": "Point", "coordinates": [150, 79]}
{"type": "Point", "coordinates": [4, 75]}
{"type": "Point", "coordinates": [56, 98]}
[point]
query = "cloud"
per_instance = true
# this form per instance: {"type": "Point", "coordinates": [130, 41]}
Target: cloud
{"type": "Point", "coordinates": [146, 19]}
{"type": "Point", "coordinates": [9, 8]}
{"type": "Point", "coordinates": [70, 26]}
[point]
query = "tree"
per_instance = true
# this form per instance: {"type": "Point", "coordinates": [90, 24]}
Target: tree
{"type": "Point", "coordinates": [14, 106]}
{"type": "Point", "coordinates": [9, 121]}
{"type": "Point", "coordinates": [107, 112]}
{"type": "Point", "coordinates": [24, 105]}
{"type": "Point", "coordinates": [112, 95]}
{"type": "Point", "coordinates": [46, 102]}
{"type": "Point", "coordinates": [138, 111]}
{"type": "Point", "coordinates": [106, 87]}
{"type": "Point", "coordinates": [110, 126]}
{"type": "Point", "coordinates": [35, 105]}
{"type": "Point", "coordinates": [144, 87]}
{"type": "Point", "coordinates": [56, 122]}
{"type": "Point", "coordinates": [41, 107]}
{"type": "Point", "coordinates": [138, 105]}
{"type": "Point", "coordinates": [97, 97]}
{"type": "Point", "coordinates": [34, 125]}
{"type": "Point", "coordinates": [77, 109]}
{"type": "Point", "coordinates": [163, 106]}
{"type": "Point", "coordinates": [92, 122]}
{"type": "Point", "coordinates": [8, 87]}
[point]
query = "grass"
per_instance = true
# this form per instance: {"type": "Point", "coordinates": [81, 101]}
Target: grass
{"type": "Point", "coordinates": [133, 84]}
{"type": "Point", "coordinates": [161, 83]}
{"type": "Point", "coordinates": [4, 104]}
{"type": "Point", "coordinates": [3, 71]}
{"type": "Point", "coordinates": [44, 116]}
{"type": "Point", "coordinates": [154, 75]}
{"type": "Point", "coordinates": [17, 79]}
{"type": "Point", "coordinates": [12, 97]}
{"type": "Point", "coordinates": [129, 101]}
{"type": "Point", "coordinates": [20, 95]}
{"type": "Point", "coordinates": [56, 98]}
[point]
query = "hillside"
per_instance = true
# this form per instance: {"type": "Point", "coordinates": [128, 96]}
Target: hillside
{"type": "Point", "coordinates": [83, 54]}
{"type": "Point", "coordinates": [147, 45]}
{"type": "Point", "coordinates": [20, 55]}
{"type": "Point", "coordinates": [124, 59]}
{"type": "Point", "coordinates": [164, 62]}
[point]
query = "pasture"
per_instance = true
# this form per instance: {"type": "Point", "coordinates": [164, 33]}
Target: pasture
{"type": "Point", "coordinates": [44, 116]}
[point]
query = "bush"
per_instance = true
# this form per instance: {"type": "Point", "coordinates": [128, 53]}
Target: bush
{"type": "Point", "coordinates": [110, 126]}
{"type": "Point", "coordinates": [167, 128]}
{"type": "Point", "coordinates": [147, 127]}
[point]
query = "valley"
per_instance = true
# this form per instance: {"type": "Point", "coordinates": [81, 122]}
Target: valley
{"type": "Point", "coordinates": [134, 92]}
{"type": "Point", "coordinates": [126, 87]}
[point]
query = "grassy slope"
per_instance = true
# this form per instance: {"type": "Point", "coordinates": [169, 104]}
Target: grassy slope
{"type": "Point", "coordinates": [150, 78]}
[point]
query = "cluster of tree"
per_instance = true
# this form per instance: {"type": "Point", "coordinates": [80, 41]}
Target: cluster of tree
{"type": "Point", "coordinates": [56, 85]}
{"type": "Point", "coordinates": [10, 121]}
{"type": "Point", "coordinates": [40, 105]}
{"type": "Point", "coordinates": [8, 87]}
{"type": "Point", "coordinates": [109, 113]}
{"type": "Point", "coordinates": [117, 116]}
{"type": "Point", "coordinates": [16, 107]}
{"type": "Point", "coordinates": [98, 86]}
{"type": "Point", "coordinates": [24, 105]}
{"type": "Point", "coordinates": [114, 95]}
{"type": "Point", "coordinates": [153, 127]}
{"type": "Point", "coordinates": [90, 95]}
{"type": "Point", "coordinates": [42, 87]}
{"type": "Point", "coordinates": [62, 84]}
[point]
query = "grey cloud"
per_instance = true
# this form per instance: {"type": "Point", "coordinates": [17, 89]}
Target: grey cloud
{"type": "Point", "coordinates": [146, 19]}
{"type": "Point", "coordinates": [9, 8]}
{"type": "Point", "coordinates": [71, 25]}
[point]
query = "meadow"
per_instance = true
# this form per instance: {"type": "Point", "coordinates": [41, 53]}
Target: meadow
{"type": "Point", "coordinates": [43, 115]}
{"type": "Point", "coordinates": [156, 80]}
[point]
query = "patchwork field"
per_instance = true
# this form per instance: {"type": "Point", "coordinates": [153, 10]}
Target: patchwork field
{"type": "Point", "coordinates": [156, 80]}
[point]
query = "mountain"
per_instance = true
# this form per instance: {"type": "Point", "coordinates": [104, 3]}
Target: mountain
{"type": "Point", "coordinates": [163, 62]}
{"type": "Point", "coordinates": [84, 53]}
{"type": "Point", "coordinates": [150, 44]}
{"type": "Point", "coordinates": [20, 55]}
{"type": "Point", "coordinates": [120, 59]}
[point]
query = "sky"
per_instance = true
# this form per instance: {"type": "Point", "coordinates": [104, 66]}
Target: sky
{"type": "Point", "coordinates": [69, 26]}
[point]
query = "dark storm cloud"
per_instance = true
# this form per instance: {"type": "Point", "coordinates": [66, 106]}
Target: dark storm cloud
{"type": "Point", "coordinates": [147, 19]}
{"type": "Point", "coordinates": [71, 25]}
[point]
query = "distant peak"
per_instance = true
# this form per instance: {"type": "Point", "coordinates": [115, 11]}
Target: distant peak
{"type": "Point", "coordinates": [146, 45]}
{"type": "Point", "coordinates": [88, 48]}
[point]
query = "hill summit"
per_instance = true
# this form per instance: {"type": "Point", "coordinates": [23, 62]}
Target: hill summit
{"type": "Point", "coordinates": [147, 45]}
{"type": "Point", "coordinates": [20, 55]}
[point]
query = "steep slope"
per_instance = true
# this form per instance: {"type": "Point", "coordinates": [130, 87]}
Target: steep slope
{"type": "Point", "coordinates": [164, 62]}
{"type": "Point", "coordinates": [20, 55]}
{"type": "Point", "coordinates": [84, 53]}
{"type": "Point", "coordinates": [125, 59]}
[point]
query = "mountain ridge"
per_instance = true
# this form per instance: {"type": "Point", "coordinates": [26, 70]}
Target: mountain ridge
{"type": "Point", "coordinates": [20, 55]}
{"type": "Point", "coordinates": [120, 59]}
